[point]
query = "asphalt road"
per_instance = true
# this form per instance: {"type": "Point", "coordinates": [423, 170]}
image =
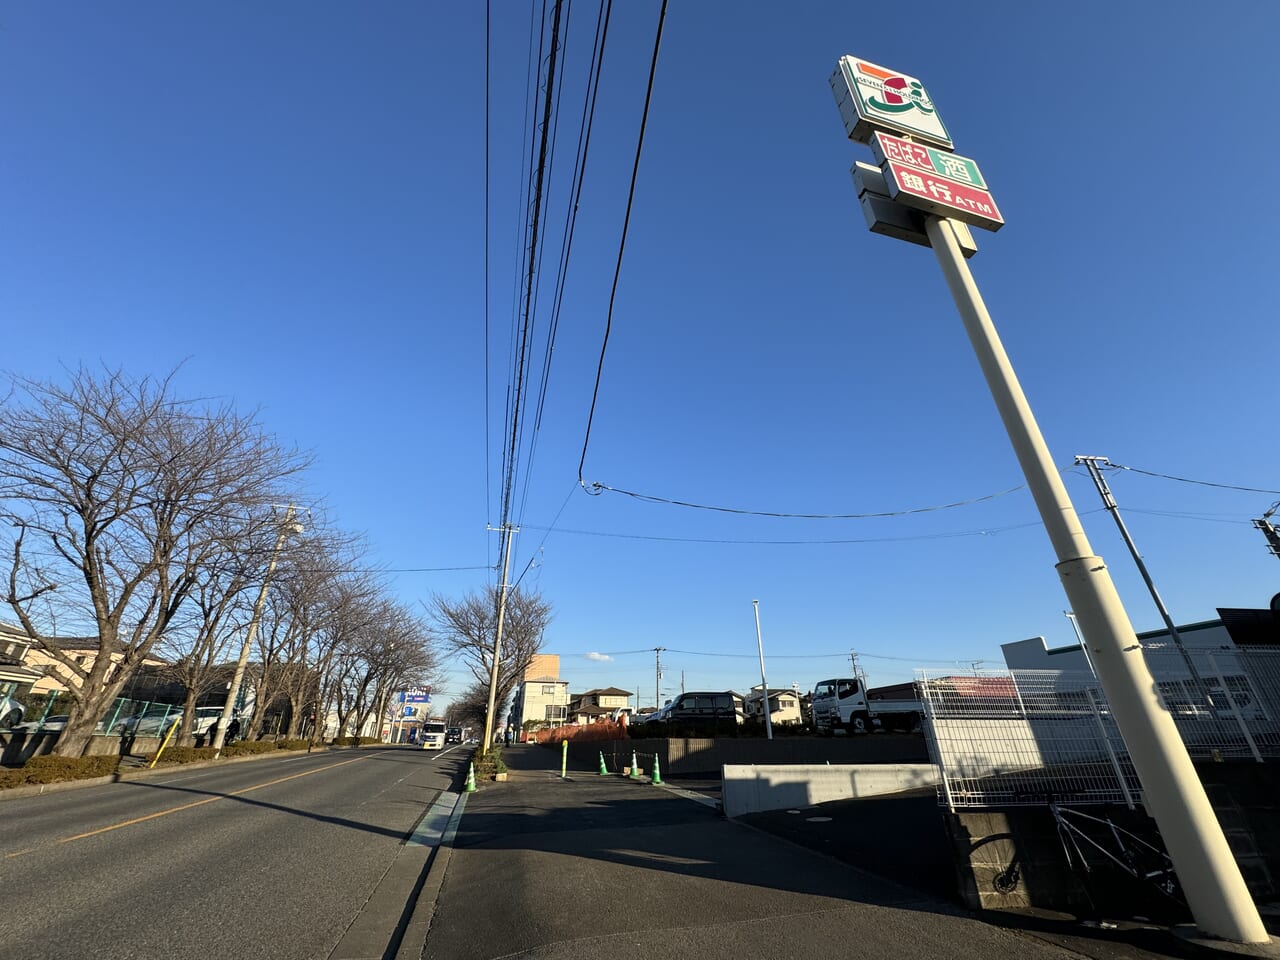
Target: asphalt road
{"type": "Point", "coordinates": [302, 856]}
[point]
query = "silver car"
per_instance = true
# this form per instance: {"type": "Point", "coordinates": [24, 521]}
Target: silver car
{"type": "Point", "coordinates": [153, 723]}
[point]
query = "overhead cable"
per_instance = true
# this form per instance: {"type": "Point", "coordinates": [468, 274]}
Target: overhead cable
{"type": "Point", "coordinates": [1201, 483]}
{"type": "Point", "coordinates": [622, 244]}
{"type": "Point", "coordinates": [989, 531]}
{"type": "Point", "coordinates": [596, 488]}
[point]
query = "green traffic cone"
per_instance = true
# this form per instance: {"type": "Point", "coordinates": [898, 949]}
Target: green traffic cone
{"type": "Point", "coordinates": [634, 763]}
{"type": "Point", "coordinates": [604, 771]}
{"type": "Point", "coordinates": [471, 780]}
{"type": "Point", "coordinates": [657, 775]}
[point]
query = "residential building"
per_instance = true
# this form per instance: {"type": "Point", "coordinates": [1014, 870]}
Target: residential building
{"type": "Point", "coordinates": [55, 676]}
{"type": "Point", "coordinates": [598, 704]}
{"type": "Point", "coordinates": [784, 705]}
{"type": "Point", "coordinates": [16, 679]}
{"type": "Point", "coordinates": [541, 695]}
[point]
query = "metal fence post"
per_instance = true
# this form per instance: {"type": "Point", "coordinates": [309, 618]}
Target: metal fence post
{"type": "Point", "coordinates": [1111, 753]}
{"type": "Point", "coordinates": [1235, 711]}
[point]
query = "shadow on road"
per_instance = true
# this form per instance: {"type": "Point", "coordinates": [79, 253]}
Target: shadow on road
{"type": "Point", "coordinates": [240, 796]}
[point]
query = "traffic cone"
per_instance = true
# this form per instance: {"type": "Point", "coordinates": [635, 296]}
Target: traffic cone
{"type": "Point", "coordinates": [471, 780]}
{"type": "Point", "coordinates": [634, 764]}
{"type": "Point", "coordinates": [657, 775]}
{"type": "Point", "coordinates": [604, 771]}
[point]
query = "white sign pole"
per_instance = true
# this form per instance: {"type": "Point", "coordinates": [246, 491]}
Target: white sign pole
{"type": "Point", "coordinates": [1172, 791]}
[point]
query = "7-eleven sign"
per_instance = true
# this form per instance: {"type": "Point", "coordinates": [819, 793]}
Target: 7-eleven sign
{"type": "Point", "coordinates": [873, 98]}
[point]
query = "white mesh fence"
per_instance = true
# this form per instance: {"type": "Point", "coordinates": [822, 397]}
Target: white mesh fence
{"type": "Point", "coordinates": [1030, 737]}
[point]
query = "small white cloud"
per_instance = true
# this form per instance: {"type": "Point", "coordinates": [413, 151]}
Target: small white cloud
{"type": "Point", "coordinates": [602, 657]}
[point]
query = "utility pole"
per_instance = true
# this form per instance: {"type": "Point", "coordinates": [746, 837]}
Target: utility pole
{"type": "Point", "coordinates": [507, 533]}
{"type": "Point", "coordinates": [657, 676]}
{"type": "Point", "coordinates": [1094, 466]}
{"type": "Point", "coordinates": [287, 526]}
{"type": "Point", "coordinates": [1264, 524]}
{"type": "Point", "coordinates": [858, 673]}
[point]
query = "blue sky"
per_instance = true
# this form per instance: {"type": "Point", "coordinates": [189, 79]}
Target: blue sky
{"type": "Point", "coordinates": [288, 199]}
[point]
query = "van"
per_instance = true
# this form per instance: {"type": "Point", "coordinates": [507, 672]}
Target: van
{"type": "Point", "coordinates": [701, 707]}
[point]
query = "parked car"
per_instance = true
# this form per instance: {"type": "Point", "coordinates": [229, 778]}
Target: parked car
{"type": "Point", "coordinates": [57, 722]}
{"type": "Point", "coordinates": [155, 722]}
{"type": "Point", "coordinates": [702, 708]}
{"type": "Point", "coordinates": [11, 712]}
{"type": "Point", "coordinates": [205, 718]}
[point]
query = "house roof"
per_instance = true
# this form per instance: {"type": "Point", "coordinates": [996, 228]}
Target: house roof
{"type": "Point", "coordinates": [608, 692]}
{"type": "Point", "coordinates": [593, 711]}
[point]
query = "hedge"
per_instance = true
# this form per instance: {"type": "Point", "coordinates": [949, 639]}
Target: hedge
{"type": "Point", "coordinates": [52, 769]}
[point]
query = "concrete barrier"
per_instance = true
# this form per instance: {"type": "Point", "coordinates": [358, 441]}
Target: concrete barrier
{"type": "Point", "coordinates": [752, 788]}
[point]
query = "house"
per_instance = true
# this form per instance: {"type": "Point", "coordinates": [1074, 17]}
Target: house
{"type": "Point", "coordinates": [541, 695]}
{"type": "Point", "coordinates": [784, 705]}
{"type": "Point", "coordinates": [598, 704]}
{"type": "Point", "coordinates": [55, 677]}
{"type": "Point", "coordinates": [16, 679]}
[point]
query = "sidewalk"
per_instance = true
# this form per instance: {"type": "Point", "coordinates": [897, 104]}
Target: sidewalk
{"type": "Point", "coordinates": [594, 866]}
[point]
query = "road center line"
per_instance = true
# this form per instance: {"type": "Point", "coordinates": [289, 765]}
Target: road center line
{"type": "Point", "coordinates": [201, 803]}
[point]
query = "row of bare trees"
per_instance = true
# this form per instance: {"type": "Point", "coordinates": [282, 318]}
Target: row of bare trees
{"type": "Point", "coordinates": [148, 523]}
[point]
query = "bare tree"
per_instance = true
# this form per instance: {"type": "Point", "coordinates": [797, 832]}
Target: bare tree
{"type": "Point", "coordinates": [467, 627]}
{"type": "Point", "coordinates": [219, 607]}
{"type": "Point", "coordinates": [114, 489]}
{"type": "Point", "coordinates": [399, 655]}
{"type": "Point", "coordinates": [471, 706]}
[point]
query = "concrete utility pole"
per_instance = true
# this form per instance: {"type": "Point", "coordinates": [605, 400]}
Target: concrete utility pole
{"type": "Point", "coordinates": [287, 526]}
{"type": "Point", "coordinates": [657, 676]}
{"type": "Point", "coordinates": [1172, 791]}
{"type": "Point", "coordinates": [764, 684]}
{"type": "Point", "coordinates": [487, 742]}
{"type": "Point", "coordinates": [1094, 466]}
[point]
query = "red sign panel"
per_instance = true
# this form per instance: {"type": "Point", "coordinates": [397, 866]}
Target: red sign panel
{"type": "Point", "coordinates": [917, 188]}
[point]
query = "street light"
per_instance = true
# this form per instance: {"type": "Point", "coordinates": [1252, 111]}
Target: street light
{"type": "Point", "coordinates": [764, 684]}
{"type": "Point", "coordinates": [287, 526]}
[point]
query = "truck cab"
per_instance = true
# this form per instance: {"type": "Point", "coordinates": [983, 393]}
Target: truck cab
{"type": "Point", "coordinates": [845, 703]}
{"type": "Point", "coordinates": [841, 704]}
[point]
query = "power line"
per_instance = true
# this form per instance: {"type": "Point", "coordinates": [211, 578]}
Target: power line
{"type": "Point", "coordinates": [842, 655]}
{"type": "Point", "coordinates": [989, 531]}
{"type": "Point", "coordinates": [596, 488]}
{"type": "Point", "coordinates": [521, 365]}
{"type": "Point", "coordinates": [545, 535]}
{"type": "Point", "coordinates": [488, 492]}
{"type": "Point", "coordinates": [1187, 516]}
{"type": "Point", "coordinates": [1201, 483]}
{"type": "Point", "coordinates": [579, 175]}
{"type": "Point", "coordinates": [622, 244]}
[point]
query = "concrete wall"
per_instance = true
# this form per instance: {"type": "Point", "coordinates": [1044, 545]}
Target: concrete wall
{"type": "Point", "coordinates": [757, 787]}
{"type": "Point", "coordinates": [1013, 858]}
{"type": "Point", "coordinates": [18, 747]}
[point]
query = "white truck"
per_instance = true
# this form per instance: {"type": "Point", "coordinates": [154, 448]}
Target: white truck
{"type": "Point", "coordinates": [846, 703]}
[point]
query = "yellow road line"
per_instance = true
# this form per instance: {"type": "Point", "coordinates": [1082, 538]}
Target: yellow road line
{"type": "Point", "coordinates": [200, 803]}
